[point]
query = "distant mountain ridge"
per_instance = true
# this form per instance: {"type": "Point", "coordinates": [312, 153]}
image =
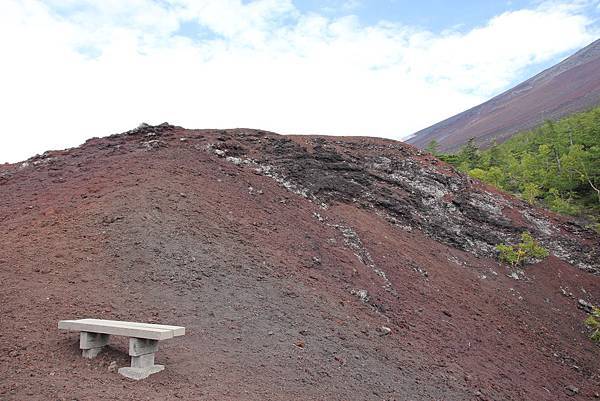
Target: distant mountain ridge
{"type": "Point", "coordinates": [570, 86]}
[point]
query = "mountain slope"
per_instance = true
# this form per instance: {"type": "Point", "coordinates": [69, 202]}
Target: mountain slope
{"type": "Point", "coordinates": [286, 258]}
{"type": "Point", "coordinates": [570, 86]}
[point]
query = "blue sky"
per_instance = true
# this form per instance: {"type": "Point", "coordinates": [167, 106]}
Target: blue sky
{"type": "Point", "coordinates": [436, 15]}
{"type": "Point", "coordinates": [82, 68]}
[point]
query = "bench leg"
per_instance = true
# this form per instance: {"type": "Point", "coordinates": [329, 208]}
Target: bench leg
{"type": "Point", "coordinates": [92, 343]}
{"type": "Point", "coordinates": [142, 359]}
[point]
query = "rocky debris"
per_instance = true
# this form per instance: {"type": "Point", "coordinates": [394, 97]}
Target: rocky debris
{"type": "Point", "coordinates": [517, 274]}
{"type": "Point", "coordinates": [254, 191]}
{"type": "Point", "coordinates": [150, 130]}
{"type": "Point", "coordinates": [420, 270]}
{"type": "Point", "coordinates": [45, 159]}
{"type": "Point", "coordinates": [5, 176]}
{"type": "Point", "coordinates": [112, 367]}
{"type": "Point", "coordinates": [384, 331]}
{"type": "Point", "coordinates": [153, 144]}
{"type": "Point", "coordinates": [566, 292]}
{"type": "Point", "coordinates": [584, 305]}
{"type": "Point", "coordinates": [352, 240]}
{"type": "Point", "coordinates": [107, 220]}
{"type": "Point", "coordinates": [571, 390]}
{"type": "Point", "coordinates": [363, 295]}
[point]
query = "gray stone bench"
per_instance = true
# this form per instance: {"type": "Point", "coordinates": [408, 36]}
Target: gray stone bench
{"type": "Point", "coordinates": [143, 341]}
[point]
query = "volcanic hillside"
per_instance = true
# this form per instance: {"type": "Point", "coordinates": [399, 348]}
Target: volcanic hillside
{"type": "Point", "coordinates": [302, 267]}
{"type": "Point", "coordinates": [570, 86]}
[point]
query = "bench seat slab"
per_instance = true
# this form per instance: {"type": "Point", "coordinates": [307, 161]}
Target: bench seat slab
{"type": "Point", "coordinates": [128, 329]}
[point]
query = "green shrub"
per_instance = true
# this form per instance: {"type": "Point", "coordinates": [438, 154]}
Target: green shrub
{"type": "Point", "coordinates": [560, 204]}
{"type": "Point", "coordinates": [530, 192]}
{"type": "Point", "coordinates": [479, 174]}
{"type": "Point", "coordinates": [593, 322]}
{"type": "Point", "coordinates": [532, 249]}
{"type": "Point", "coordinates": [493, 176]}
{"type": "Point", "coordinates": [517, 255]}
{"type": "Point", "coordinates": [508, 254]}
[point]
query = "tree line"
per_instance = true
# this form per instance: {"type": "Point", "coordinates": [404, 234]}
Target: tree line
{"type": "Point", "coordinates": [556, 165]}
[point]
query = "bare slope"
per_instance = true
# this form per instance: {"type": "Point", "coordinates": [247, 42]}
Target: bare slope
{"type": "Point", "coordinates": [570, 86]}
{"type": "Point", "coordinates": [284, 257]}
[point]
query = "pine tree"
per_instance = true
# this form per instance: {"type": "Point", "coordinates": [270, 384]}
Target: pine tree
{"type": "Point", "coordinates": [433, 147]}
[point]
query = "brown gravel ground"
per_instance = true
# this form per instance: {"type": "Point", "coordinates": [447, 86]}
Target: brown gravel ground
{"type": "Point", "coordinates": [263, 279]}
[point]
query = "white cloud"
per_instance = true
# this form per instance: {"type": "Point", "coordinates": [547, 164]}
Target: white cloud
{"type": "Point", "coordinates": [80, 68]}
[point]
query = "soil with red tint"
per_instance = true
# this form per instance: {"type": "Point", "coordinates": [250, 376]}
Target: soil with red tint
{"type": "Point", "coordinates": [302, 268]}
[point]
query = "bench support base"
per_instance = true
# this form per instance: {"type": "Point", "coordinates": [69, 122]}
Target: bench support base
{"type": "Point", "coordinates": [142, 359]}
{"type": "Point", "coordinates": [140, 373]}
{"type": "Point", "coordinates": [92, 343]}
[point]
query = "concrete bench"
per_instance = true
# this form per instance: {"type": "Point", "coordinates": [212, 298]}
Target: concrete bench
{"type": "Point", "coordinates": [143, 341]}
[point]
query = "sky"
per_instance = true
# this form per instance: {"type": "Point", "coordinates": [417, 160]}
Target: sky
{"type": "Point", "coordinates": [75, 69]}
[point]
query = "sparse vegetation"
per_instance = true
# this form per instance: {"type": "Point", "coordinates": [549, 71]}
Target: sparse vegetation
{"type": "Point", "coordinates": [556, 166]}
{"type": "Point", "coordinates": [593, 322]}
{"type": "Point", "coordinates": [525, 251]}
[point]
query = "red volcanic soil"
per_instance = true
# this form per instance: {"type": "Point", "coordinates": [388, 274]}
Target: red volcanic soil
{"type": "Point", "coordinates": [570, 86]}
{"type": "Point", "coordinates": [287, 259]}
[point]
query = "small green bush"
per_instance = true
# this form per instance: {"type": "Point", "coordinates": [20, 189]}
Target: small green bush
{"type": "Point", "coordinates": [593, 322]}
{"type": "Point", "coordinates": [530, 192]}
{"type": "Point", "coordinates": [531, 248]}
{"type": "Point", "coordinates": [517, 255]}
{"type": "Point", "coordinates": [508, 254]}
